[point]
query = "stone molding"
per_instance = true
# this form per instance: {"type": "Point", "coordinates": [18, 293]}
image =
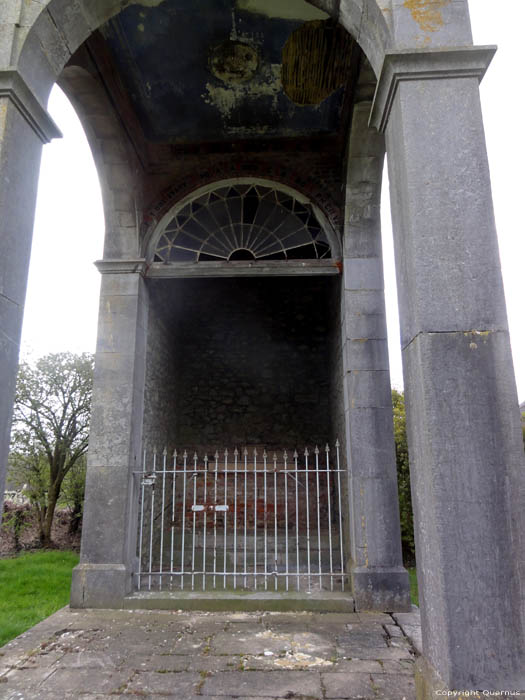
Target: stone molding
{"type": "Point", "coordinates": [425, 64]}
{"type": "Point", "coordinates": [121, 267]}
{"type": "Point", "coordinates": [14, 87]}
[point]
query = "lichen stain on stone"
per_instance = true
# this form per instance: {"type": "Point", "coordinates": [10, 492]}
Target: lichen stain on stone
{"type": "Point", "coordinates": [270, 634]}
{"type": "Point", "coordinates": [482, 333]}
{"type": "Point", "coordinates": [299, 660]}
{"type": "Point", "coordinates": [427, 13]}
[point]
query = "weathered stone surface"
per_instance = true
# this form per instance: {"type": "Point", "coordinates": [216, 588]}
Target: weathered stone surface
{"type": "Point", "coordinates": [439, 265]}
{"type": "Point", "coordinates": [355, 651]}
{"type": "Point", "coordinates": [385, 686]}
{"type": "Point", "coordinates": [449, 284]}
{"type": "Point", "coordinates": [363, 273]}
{"type": "Point", "coordinates": [250, 643]}
{"type": "Point", "coordinates": [378, 581]}
{"type": "Point", "coordinates": [103, 576]}
{"type": "Point", "coordinates": [467, 486]}
{"type": "Point", "coordinates": [355, 685]}
{"type": "Point", "coordinates": [168, 654]}
{"type": "Point", "coordinates": [259, 684]}
{"type": "Point", "coordinates": [431, 24]}
{"type": "Point", "coordinates": [181, 684]}
{"type": "Point", "coordinates": [471, 474]}
{"type": "Point", "coordinates": [20, 150]}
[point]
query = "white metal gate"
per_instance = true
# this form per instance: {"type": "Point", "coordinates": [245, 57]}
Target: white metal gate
{"type": "Point", "coordinates": [240, 521]}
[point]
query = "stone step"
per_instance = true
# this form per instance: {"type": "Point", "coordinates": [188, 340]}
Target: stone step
{"type": "Point", "coordinates": [229, 600]}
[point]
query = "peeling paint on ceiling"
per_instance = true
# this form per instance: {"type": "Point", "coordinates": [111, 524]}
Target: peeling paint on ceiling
{"type": "Point", "coordinates": [226, 98]}
{"type": "Point", "coordinates": [211, 71]}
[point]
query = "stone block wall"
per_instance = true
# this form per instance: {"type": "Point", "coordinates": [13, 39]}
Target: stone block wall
{"type": "Point", "coordinates": [161, 382]}
{"type": "Point", "coordinates": [235, 362]}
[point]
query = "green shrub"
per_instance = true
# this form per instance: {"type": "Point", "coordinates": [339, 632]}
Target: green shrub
{"type": "Point", "coordinates": [403, 478]}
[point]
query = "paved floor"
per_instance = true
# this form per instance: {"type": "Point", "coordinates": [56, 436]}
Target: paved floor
{"type": "Point", "coordinates": [97, 654]}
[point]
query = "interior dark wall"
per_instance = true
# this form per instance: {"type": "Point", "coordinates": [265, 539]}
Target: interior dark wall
{"type": "Point", "coordinates": [247, 362]}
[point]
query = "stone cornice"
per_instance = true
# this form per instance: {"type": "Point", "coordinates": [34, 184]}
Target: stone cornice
{"type": "Point", "coordinates": [14, 87]}
{"type": "Point", "coordinates": [425, 64]}
{"type": "Point", "coordinates": [121, 267]}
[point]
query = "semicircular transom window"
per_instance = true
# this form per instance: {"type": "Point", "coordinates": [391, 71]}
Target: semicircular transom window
{"type": "Point", "coordinates": [243, 223]}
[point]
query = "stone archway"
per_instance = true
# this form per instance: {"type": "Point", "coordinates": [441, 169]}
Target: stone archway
{"type": "Point", "coordinates": [468, 468]}
{"type": "Point", "coordinates": [59, 28]}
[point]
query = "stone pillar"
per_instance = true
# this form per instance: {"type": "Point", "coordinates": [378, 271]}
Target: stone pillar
{"type": "Point", "coordinates": [24, 126]}
{"type": "Point", "coordinates": [108, 552]}
{"type": "Point", "coordinates": [466, 454]}
{"type": "Point", "coordinates": [379, 581]}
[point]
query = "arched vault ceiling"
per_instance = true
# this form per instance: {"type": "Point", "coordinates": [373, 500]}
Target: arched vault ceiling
{"type": "Point", "coordinates": [212, 71]}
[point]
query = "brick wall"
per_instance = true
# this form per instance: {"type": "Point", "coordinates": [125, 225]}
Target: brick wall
{"type": "Point", "coordinates": [315, 173]}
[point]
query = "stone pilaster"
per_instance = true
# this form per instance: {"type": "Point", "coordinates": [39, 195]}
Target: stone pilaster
{"type": "Point", "coordinates": [379, 581]}
{"type": "Point", "coordinates": [104, 574]}
{"type": "Point", "coordinates": [466, 454]}
{"type": "Point", "coordinates": [24, 126]}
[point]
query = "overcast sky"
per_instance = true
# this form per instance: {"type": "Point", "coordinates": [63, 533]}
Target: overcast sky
{"type": "Point", "coordinates": [62, 299]}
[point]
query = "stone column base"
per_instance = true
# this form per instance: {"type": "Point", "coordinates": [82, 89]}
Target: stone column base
{"type": "Point", "coordinates": [380, 589]}
{"type": "Point", "coordinates": [99, 586]}
{"type": "Point", "coordinates": [429, 685]}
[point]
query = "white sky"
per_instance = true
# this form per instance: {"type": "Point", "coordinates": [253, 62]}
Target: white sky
{"type": "Point", "coordinates": [62, 298]}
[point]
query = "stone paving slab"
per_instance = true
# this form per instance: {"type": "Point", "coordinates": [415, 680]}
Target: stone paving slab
{"type": "Point", "coordinates": [111, 654]}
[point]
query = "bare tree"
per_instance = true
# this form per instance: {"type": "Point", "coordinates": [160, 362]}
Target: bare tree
{"type": "Point", "coordinates": [50, 428]}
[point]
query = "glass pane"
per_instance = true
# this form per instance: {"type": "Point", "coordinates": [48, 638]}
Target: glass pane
{"type": "Point", "coordinates": [261, 220]}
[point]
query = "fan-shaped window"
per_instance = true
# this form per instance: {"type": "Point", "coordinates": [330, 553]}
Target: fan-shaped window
{"type": "Point", "coordinates": [243, 222]}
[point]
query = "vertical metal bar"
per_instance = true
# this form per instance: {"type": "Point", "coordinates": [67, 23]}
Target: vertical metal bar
{"type": "Point", "coordinates": [205, 522]}
{"type": "Point", "coordinates": [184, 476]}
{"type": "Point", "coordinates": [295, 457]}
{"type": "Point", "coordinates": [236, 465]}
{"type": "Point", "coordinates": [141, 517]}
{"type": "Point", "coordinates": [151, 517]}
{"type": "Point", "coordinates": [163, 504]}
{"type": "Point", "coordinates": [275, 516]}
{"type": "Point", "coordinates": [245, 509]}
{"type": "Point", "coordinates": [285, 460]}
{"type": "Point", "coordinates": [306, 454]}
{"type": "Point", "coordinates": [255, 518]}
{"type": "Point", "coordinates": [216, 456]}
{"type": "Point", "coordinates": [265, 468]}
{"type": "Point", "coordinates": [173, 493]}
{"type": "Point", "coordinates": [329, 496]}
{"type": "Point", "coordinates": [225, 513]}
{"type": "Point", "coordinates": [194, 477]}
{"type": "Point", "coordinates": [340, 515]}
{"type": "Point", "coordinates": [318, 513]}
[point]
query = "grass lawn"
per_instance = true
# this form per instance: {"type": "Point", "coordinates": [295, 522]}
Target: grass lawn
{"type": "Point", "coordinates": [413, 586]}
{"type": "Point", "coordinates": [32, 586]}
